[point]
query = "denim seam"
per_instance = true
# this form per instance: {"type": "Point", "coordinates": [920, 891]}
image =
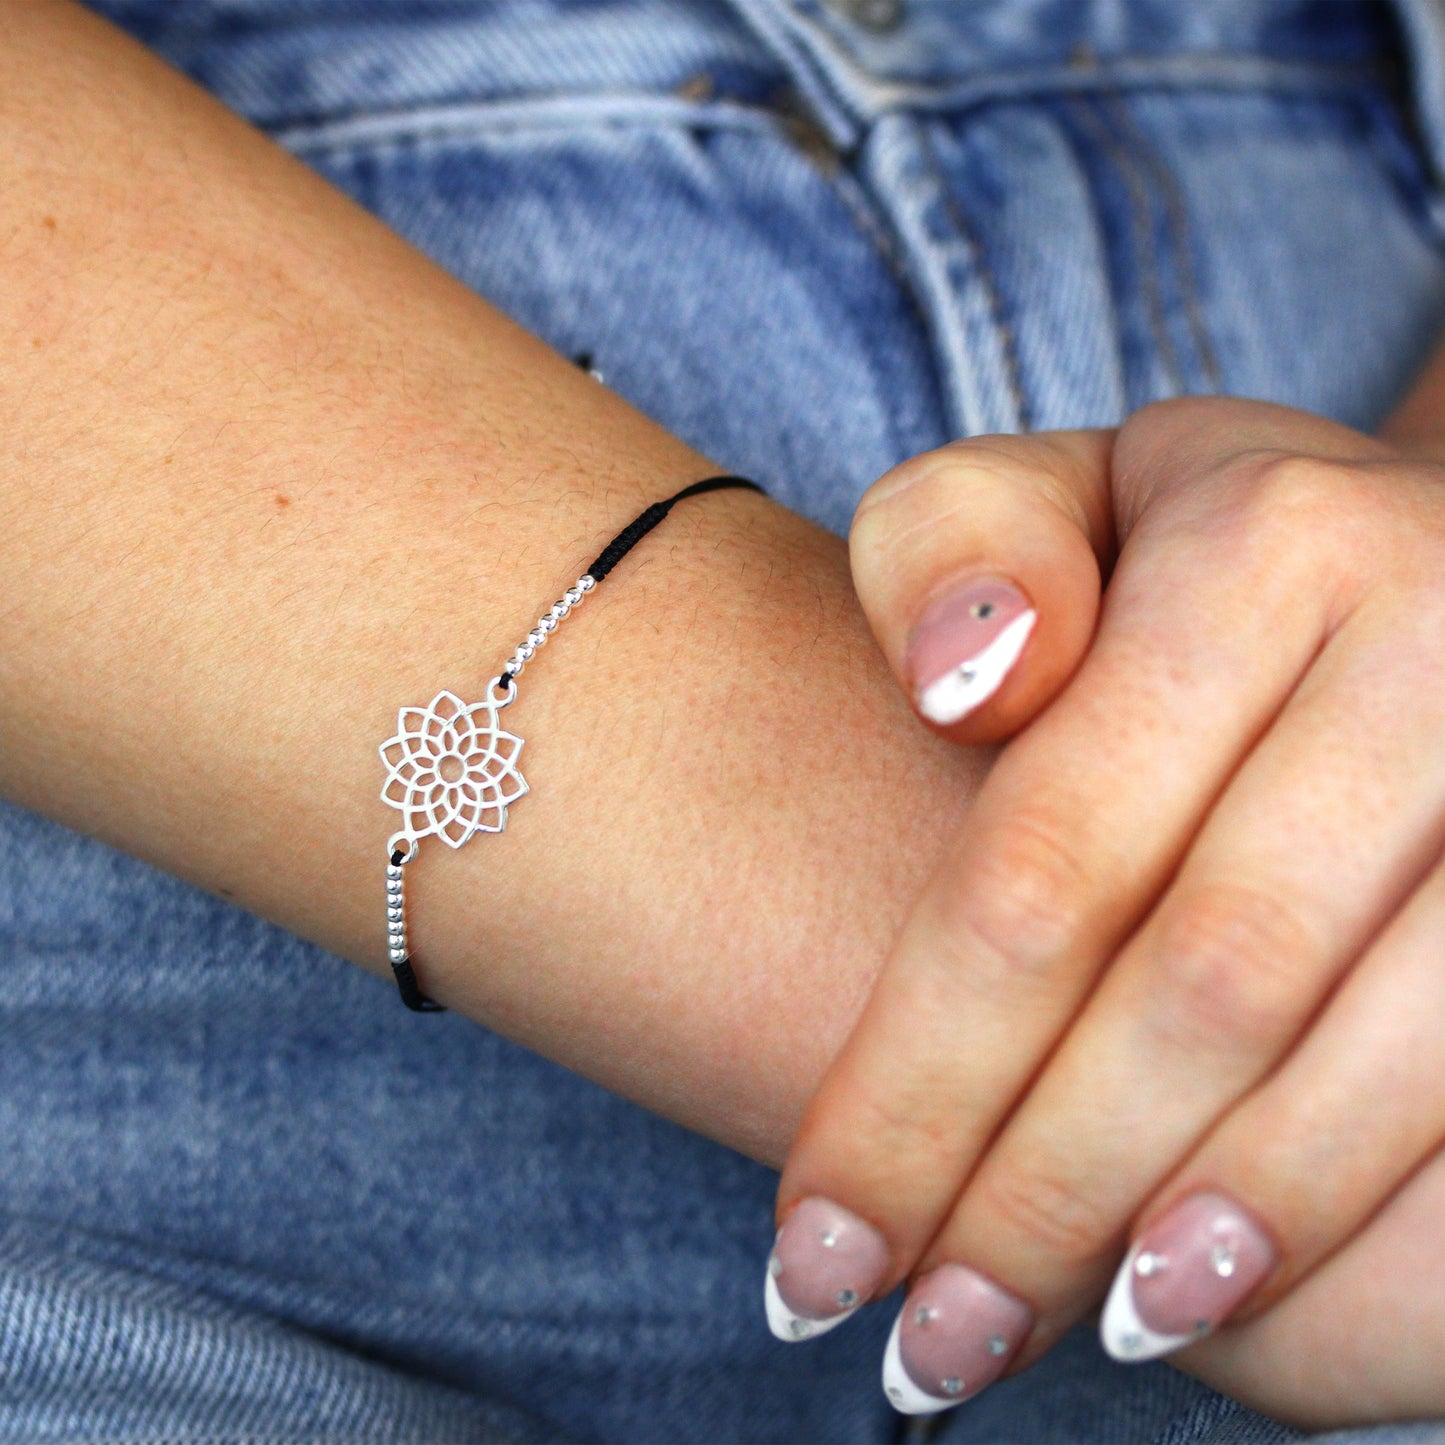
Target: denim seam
{"type": "Point", "coordinates": [981, 275]}
{"type": "Point", "coordinates": [993, 296]}
{"type": "Point", "coordinates": [476, 119]}
{"type": "Point", "coordinates": [1085, 110]}
{"type": "Point", "coordinates": [1167, 73]}
{"type": "Point", "coordinates": [469, 118]}
{"type": "Point", "coordinates": [1177, 229]}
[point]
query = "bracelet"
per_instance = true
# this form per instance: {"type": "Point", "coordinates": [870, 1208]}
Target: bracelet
{"type": "Point", "coordinates": [452, 770]}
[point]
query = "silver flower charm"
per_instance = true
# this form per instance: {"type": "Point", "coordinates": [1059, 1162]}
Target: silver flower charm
{"type": "Point", "coordinates": [451, 769]}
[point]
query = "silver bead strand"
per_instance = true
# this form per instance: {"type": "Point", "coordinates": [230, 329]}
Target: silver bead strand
{"type": "Point", "coordinates": [547, 624]}
{"type": "Point", "coordinates": [395, 913]}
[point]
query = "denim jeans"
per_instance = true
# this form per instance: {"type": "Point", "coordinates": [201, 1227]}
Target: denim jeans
{"type": "Point", "coordinates": [812, 238]}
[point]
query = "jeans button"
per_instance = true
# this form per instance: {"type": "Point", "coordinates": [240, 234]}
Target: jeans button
{"type": "Point", "coordinates": [876, 15]}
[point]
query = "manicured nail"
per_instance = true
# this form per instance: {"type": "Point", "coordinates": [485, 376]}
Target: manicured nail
{"type": "Point", "coordinates": [964, 646]}
{"type": "Point", "coordinates": [1186, 1273]}
{"type": "Point", "coordinates": [825, 1263]}
{"type": "Point", "coordinates": [955, 1334]}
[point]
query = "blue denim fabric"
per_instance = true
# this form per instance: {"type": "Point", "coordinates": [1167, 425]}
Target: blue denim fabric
{"type": "Point", "coordinates": [811, 247]}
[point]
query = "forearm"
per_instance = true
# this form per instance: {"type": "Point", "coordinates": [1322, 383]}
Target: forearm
{"type": "Point", "coordinates": [272, 475]}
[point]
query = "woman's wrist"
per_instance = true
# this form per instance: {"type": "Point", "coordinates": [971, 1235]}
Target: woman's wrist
{"type": "Point", "coordinates": [272, 476]}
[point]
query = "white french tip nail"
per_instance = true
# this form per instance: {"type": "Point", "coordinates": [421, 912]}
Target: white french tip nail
{"type": "Point", "coordinates": [788, 1326]}
{"type": "Point", "coordinates": [1124, 1335]}
{"type": "Point", "coordinates": [969, 685]}
{"type": "Point", "coordinates": [903, 1394]}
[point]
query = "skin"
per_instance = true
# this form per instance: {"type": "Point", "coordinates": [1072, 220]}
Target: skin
{"type": "Point", "coordinates": [272, 475]}
{"type": "Point", "coordinates": [1208, 961]}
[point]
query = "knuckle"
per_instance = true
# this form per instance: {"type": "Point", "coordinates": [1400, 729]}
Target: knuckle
{"type": "Point", "coordinates": [1304, 506]}
{"type": "Point", "coordinates": [910, 1136]}
{"type": "Point", "coordinates": [1048, 1212]}
{"type": "Point", "coordinates": [1021, 903]}
{"type": "Point", "coordinates": [1228, 971]}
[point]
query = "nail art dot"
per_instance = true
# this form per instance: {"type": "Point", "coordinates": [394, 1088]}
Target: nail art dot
{"type": "Point", "coordinates": [997, 1345]}
{"type": "Point", "coordinates": [923, 1314]}
{"type": "Point", "coordinates": [828, 1238]}
{"type": "Point", "coordinates": [800, 1329]}
{"type": "Point", "coordinates": [894, 1393]}
{"type": "Point", "coordinates": [1222, 1260]}
{"type": "Point", "coordinates": [953, 1386]}
{"type": "Point", "coordinates": [847, 1298]}
{"type": "Point", "coordinates": [1149, 1264]}
{"type": "Point", "coordinates": [775, 1266]}
{"type": "Point", "coordinates": [1131, 1341]}
{"type": "Point", "coordinates": [1202, 1327]}
{"type": "Point", "coordinates": [982, 610]}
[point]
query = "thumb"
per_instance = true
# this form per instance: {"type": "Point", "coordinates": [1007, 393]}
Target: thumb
{"type": "Point", "coordinates": [979, 566]}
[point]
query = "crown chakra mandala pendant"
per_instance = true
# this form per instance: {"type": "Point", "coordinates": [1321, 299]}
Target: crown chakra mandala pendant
{"type": "Point", "coordinates": [451, 772]}
{"type": "Point", "coordinates": [451, 767]}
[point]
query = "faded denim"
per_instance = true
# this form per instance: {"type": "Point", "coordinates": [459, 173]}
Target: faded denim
{"type": "Point", "coordinates": [812, 238]}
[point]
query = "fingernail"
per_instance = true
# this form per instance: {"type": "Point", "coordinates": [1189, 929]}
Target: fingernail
{"type": "Point", "coordinates": [955, 1334]}
{"type": "Point", "coordinates": [825, 1263]}
{"type": "Point", "coordinates": [1186, 1272]}
{"type": "Point", "coordinates": [964, 646]}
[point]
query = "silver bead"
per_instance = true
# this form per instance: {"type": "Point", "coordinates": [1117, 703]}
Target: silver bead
{"type": "Point", "coordinates": [547, 624]}
{"type": "Point", "coordinates": [393, 870]}
{"type": "Point", "coordinates": [587, 583]}
{"type": "Point", "coordinates": [397, 955]}
{"type": "Point", "coordinates": [393, 887]}
{"type": "Point", "coordinates": [395, 925]}
{"type": "Point", "coordinates": [572, 596]}
{"type": "Point", "coordinates": [525, 651]}
{"type": "Point", "coordinates": [536, 637]}
{"type": "Point", "coordinates": [511, 667]}
{"type": "Point", "coordinates": [394, 913]}
{"type": "Point", "coordinates": [559, 610]}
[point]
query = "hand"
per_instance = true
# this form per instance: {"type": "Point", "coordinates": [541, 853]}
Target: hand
{"type": "Point", "coordinates": [1179, 978]}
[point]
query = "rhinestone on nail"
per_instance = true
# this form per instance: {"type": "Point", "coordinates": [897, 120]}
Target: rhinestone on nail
{"type": "Point", "coordinates": [894, 1393]}
{"type": "Point", "coordinates": [982, 610]}
{"type": "Point", "coordinates": [800, 1329]}
{"type": "Point", "coordinates": [829, 1238]}
{"type": "Point", "coordinates": [775, 1266]}
{"type": "Point", "coordinates": [997, 1345]}
{"type": "Point", "coordinates": [1222, 1260]}
{"type": "Point", "coordinates": [953, 1386]}
{"type": "Point", "coordinates": [1148, 1264]}
{"type": "Point", "coordinates": [1131, 1342]}
{"type": "Point", "coordinates": [923, 1314]}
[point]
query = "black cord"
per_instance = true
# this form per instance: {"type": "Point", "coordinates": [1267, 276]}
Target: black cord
{"type": "Point", "coordinates": [636, 530]}
{"type": "Point", "coordinates": [606, 560]}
